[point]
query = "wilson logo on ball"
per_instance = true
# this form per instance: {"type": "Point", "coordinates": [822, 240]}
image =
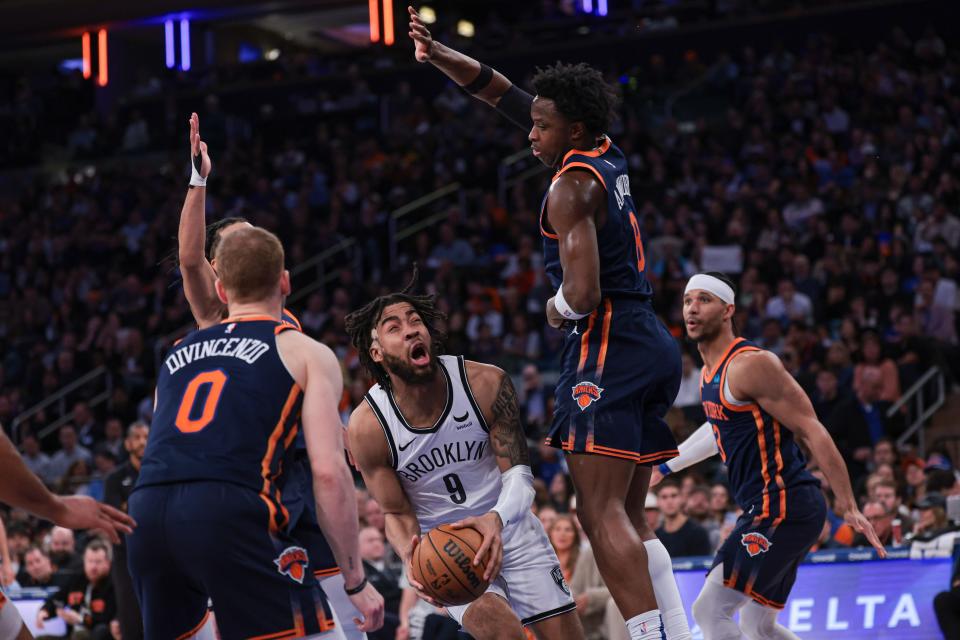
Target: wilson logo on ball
{"type": "Point", "coordinates": [463, 561]}
{"type": "Point", "coordinates": [755, 543]}
{"type": "Point", "coordinates": [586, 393]}
{"type": "Point", "coordinates": [293, 562]}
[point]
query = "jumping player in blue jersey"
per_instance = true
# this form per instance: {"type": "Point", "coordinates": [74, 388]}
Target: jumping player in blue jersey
{"type": "Point", "coordinates": [197, 243]}
{"type": "Point", "coordinates": [230, 401]}
{"type": "Point", "coordinates": [620, 366]}
{"type": "Point", "coordinates": [755, 411]}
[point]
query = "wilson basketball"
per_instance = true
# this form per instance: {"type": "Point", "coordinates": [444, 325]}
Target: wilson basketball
{"type": "Point", "coordinates": [443, 564]}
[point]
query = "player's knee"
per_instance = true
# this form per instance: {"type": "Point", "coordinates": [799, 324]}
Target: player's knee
{"type": "Point", "coordinates": [490, 618]}
{"type": "Point", "coordinates": [708, 610]}
{"type": "Point", "coordinates": [758, 622]}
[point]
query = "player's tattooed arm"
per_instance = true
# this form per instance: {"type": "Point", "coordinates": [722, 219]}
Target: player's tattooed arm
{"type": "Point", "coordinates": [506, 431]}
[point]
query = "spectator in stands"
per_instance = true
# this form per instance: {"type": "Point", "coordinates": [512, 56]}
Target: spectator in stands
{"type": "Point", "coordinates": [916, 480]}
{"type": "Point", "coordinates": [688, 396]}
{"type": "Point", "coordinates": [789, 304]}
{"type": "Point", "coordinates": [678, 533]}
{"type": "Point", "coordinates": [720, 503]}
{"type": "Point", "coordinates": [561, 490]}
{"type": "Point", "coordinates": [38, 571]}
{"type": "Point", "coordinates": [547, 515]}
{"type": "Point", "coordinates": [882, 520]}
{"type": "Point", "coordinates": [887, 493]}
{"type": "Point", "coordinates": [450, 248]}
{"type": "Point", "coordinates": [373, 552]}
{"type": "Point", "coordinates": [35, 459]}
{"type": "Point", "coordinates": [861, 422]}
{"type": "Point", "coordinates": [651, 511]}
{"type": "Point", "coordinates": [697, 508]}
{"type": "Point", "coordinates": [88, 430]}
{"type": "Point", "coordinates": [581, 574]}
{"type": "Point", "coordinates": [86, 603]}
{"type": "Point", "coordinates": [873, 360]}
{"type": "Point", "coordinates": [114, 440]}
{"type": "Point", "coordinates": [117, 488]}
{"type": "Point", "coordinates": [933, 534]}
{"type": "Point", "coordinates": [533, 402]}
{"type": "Point", "coordinates": [373, 515]}
{"type": "Point", "coordinates": [18, 541]}
{"type": "Point", "coordinates": [70, 452]}
{"type": "Point", "coordinates": [63, 550]}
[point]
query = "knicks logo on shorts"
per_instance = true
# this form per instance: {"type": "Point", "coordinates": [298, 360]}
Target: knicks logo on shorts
{"type": "Point", "coordinates": [755, 543]}
{"type": "Point", "coordinates": [293, 562]}
{"type": "Point", "coordinates": [586, 393]}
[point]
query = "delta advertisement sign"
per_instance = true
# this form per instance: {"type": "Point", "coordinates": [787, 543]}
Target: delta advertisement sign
{"type": "Point", "coordinates": [850, 594]}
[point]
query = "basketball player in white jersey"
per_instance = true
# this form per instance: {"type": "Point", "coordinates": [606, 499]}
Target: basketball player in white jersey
{"type": "Point", "coordinates": [439, 441]}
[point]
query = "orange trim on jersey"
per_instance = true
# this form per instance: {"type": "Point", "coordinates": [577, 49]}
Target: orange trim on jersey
{"type": "Point", "coordinates": [290, 436]}
{"type": "Point", "coordinates": [593, 153]}
{"type": "Point", "coordinates": [543, 231]}
{"type": "Point", "coordinates": [723, 381]}
{"type": "Point", "coordinates": [580, 165]}
{"type": "Point", "coordinates": [716, 367]}
{"type": "Point", "coordinates": [196, 628]}
{"type": "Point", "coordinates": [268, 456]}
{"type": "Point", "coordinates": [764, 465]}
{"type": "Point", "coordinates": [257, 318]}
{"type": "Point", "coordinates": [296, 321]}
{"type": "Point", "coordinates": [326, 573]}
{"type": "Point", "coordinates": [326, 624]}
{"type": "Point", "coordinates": [759, 599]}
{"type": "Point", "coordinates": [629, 455]}
{"type": "Point", "coordinates": [604, 336]}
{"type": "Point", "coordinates": [289, 633]}
{"type": "Point", "coordinates": [585, 343]}
{"type": "Point", "coordinates": [779, 460]}
{"type": "Point", "coordinates": [716, 433]}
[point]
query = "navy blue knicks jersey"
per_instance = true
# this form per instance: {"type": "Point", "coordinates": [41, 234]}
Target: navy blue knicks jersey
{"type": "Point", "coordinates": [762, 459]}
{"type": "Point", "coordinates": [227, 410]}
{"type": "Point", "coordinates": [622, 263]}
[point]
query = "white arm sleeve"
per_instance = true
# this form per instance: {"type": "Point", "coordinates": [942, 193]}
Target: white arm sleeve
{"type": "Point", "coordinates": [698, 447]}
{"type": "Point", "coordinates": [516, 494]}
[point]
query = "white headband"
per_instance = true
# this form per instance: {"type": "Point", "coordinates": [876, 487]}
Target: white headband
{"type": "Point", "coordinates": [711, 284]}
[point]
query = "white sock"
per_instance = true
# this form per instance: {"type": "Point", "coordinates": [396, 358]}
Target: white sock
{"type": "Point", "coordinates": [646, 626]}
{"type": "Point", "coordinates": [665, 589]}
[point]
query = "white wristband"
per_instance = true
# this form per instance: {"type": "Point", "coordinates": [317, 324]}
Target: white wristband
{"type": "Point", "coordinates": [196, 180]}
{"type": "Point", "coordinates": [563, 307]}
{"type": "Point", "coordinates": [516, 494]}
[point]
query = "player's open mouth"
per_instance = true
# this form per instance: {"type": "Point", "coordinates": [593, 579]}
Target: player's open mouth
{"type": "Point", "coordinates": [536, 152]}
{"type": "Point", "coordinates": [419, 355]}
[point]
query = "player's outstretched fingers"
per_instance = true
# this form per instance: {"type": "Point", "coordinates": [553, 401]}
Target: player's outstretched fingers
{"type": "Point", "coordinates": [861, 524]}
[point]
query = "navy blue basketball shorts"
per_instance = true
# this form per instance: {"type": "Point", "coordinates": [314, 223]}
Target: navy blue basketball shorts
{"type": "Point", "coordinates": [297, 497]}
{"type": "Point", "coordinates": [620, 372]}
{"type": "Point", "coordinates": [761, 556]}
{"type": "Point", "coordinates": [201, 540]}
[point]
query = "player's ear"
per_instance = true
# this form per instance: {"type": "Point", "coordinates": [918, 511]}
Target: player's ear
{"type": "Point", "coordinates": [221, 292]}
{"type": "Point", "coordinates": [375, 353]}
{"type": "Point", "coordinates": [578, 131]}
{"type": "Point", "coordinates": [285, 283]}
{"type": "Point", "coordinates": [729, 312]}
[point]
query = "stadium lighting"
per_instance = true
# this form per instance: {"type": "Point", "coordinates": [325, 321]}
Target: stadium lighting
{"type": "Point", "coordinates": [465, 28]}
{"type": "Point", "coordinates": [170, 50]}
{"type": "Point", "coordinates": [374, 20]}
{"type": "Point", "coordinates": [185, 45]}
{"type": "Point", "coordinates": [602, 7]}
{"type": "Point", "coordinates": [272, 54]}
{"type": "Point", "coordinates": [388, 22]}
{"type": "Point", "coordinates": [102, 78]}
{"type": "Point", "coordinates": [428, 15]}
{"type": "Point", "coordinates": [85, 43]}
{"type": "Point", "coordinates": [588, 6]}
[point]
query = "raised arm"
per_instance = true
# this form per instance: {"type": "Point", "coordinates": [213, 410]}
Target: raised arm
{"type": "Point", "coordinates": [317, 370]}
{"type": "Point", "coordinates": [372, 456]}
{"type": "Point", "coordinates": [576, 197]}
{"type": "Point", "coordinates": [476, 78]}
{"type": "Point", "coordinates": [198, 275]}
{"type": "Point", "coordinates": [760, 375]}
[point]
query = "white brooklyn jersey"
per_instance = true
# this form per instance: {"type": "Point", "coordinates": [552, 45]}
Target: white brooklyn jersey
{"type": "Point", "coordinates": [448, 471]}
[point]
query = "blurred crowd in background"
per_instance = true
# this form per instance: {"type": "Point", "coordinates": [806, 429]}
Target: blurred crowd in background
{"type": "Point", "coordinates": [822, 178]}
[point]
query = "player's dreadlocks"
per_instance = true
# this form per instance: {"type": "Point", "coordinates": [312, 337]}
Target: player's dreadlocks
{"type": "Point", "coordinates": [360, 324]}
{"type": "Point", "coordinates": [580, 94]}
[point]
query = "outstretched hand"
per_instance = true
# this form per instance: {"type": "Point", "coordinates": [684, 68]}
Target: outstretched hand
{"type": "Point", "coordinates": [83, 512]}
{"type": "Point", "coordinates": [420, 35]}
{"type": "Point", "coordinates": [859, 522]}
{"type": "Point", "coordinates": [198, 149]}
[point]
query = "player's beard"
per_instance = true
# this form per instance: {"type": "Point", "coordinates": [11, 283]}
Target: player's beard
{"type": "Point", "coordinates": [409, 373]}
{"type": "Point", "coordinates": [709, 330]}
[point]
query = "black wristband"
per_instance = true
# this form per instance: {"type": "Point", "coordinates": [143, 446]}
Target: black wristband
{"type": "Point", "coordinates": [481, 81]}
{"type": "Point", "coordinates": [357, 589]}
